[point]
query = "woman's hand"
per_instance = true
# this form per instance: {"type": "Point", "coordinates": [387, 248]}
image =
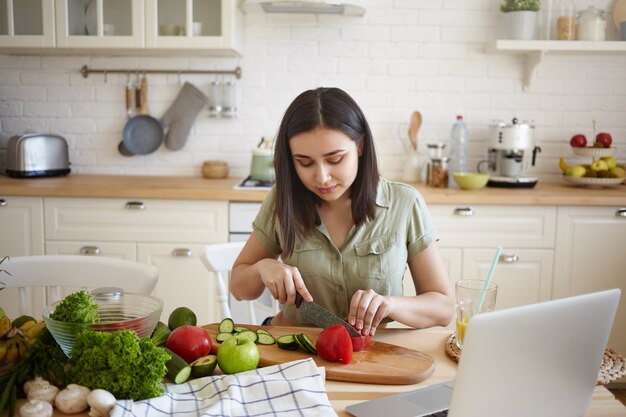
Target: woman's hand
{"type": "Point", "coordinates": [283, 281]}
{"type": "Point", "coordinates": [367, 309]}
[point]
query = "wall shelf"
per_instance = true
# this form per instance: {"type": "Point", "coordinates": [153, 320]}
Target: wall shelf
{"type": "Point", "coordinates": [535, 51]}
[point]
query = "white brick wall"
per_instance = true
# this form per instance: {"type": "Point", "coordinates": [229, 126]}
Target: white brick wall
{"type": "Point", "coordinates": [403, 55]}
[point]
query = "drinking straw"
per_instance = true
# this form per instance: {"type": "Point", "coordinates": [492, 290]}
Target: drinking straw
{"type": "Point", "coordinates": [489, 277]}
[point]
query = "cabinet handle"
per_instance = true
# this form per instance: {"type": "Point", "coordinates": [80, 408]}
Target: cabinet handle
{"type": "Point", "coordinates": [620, 212]}
{"type": "Point", "coordinates": [135, 205]}
{"type": "Point", "coordinates": [90, 250]}
{"type": "Point", "coordinates": [508, 258]}
{"type": "Point", "coordinates": [463, 211]}
{"type": "Point", "coordinates": [3, 202]}
{"type": "Point", "coordinates": [182, 252]}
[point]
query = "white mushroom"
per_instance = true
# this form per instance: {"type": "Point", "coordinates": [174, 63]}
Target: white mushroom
{"type": "Point", "coordinates": [44, 392]}
{"type": "Point", "coordinates": [73, 399]}
{"type": "Point", "coordinates": [36, 408]}
{"type": "Point", "coordinates": [35, 383]}
{"type": "Point", "coordinates": [101, 403]}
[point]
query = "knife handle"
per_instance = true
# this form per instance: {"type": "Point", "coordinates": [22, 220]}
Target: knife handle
{"type": "Point", "coordinates": [298, 299]}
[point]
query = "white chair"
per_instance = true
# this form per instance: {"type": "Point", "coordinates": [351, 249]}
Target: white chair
{"type": "Point", "coordinates": [219, 259]}
{"type": "Point", "coordinates": [77, 271]}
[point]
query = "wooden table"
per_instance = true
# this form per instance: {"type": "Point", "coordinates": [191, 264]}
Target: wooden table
{"type": "Point", "coordinates": [431, 341]}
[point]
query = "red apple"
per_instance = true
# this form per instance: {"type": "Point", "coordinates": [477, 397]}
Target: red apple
{"type": "Point", "coordinates": [605, 139]}
{"type": "Point", "coordinates": [578, 141]}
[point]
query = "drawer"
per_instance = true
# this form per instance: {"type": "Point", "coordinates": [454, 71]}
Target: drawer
{"type": "Point", "coordinates": [119, 250]}
{"type": "Point", "coordinates": [489, 226]}
{"type": "Point", "coordinates": [242, 215]}
{"type": "Point", "coordinates": [143, 220]}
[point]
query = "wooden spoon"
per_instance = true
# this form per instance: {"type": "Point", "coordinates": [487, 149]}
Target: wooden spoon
{"type": "Point", "coordinates": [416, 123]}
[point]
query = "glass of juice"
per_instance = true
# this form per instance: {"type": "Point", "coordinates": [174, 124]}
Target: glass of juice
{"type": "Point", "coordinates": [468, 293]}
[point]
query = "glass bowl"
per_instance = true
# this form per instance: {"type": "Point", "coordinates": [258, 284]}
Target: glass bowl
{"type": "Point", "coordinates": [123, 312]}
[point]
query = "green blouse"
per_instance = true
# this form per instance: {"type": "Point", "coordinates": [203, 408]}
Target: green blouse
{"type": "Point", "coordinates": [374, 255]}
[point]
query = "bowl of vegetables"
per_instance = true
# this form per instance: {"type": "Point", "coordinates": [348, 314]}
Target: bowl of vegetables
{"type": "Point", "coordinates": [105, 310]}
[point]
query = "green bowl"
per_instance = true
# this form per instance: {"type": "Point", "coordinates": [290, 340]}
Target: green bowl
{"type": "Point", "coordinates": [470, 180]}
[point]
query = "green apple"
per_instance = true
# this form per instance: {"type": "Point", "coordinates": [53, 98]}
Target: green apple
{"type": "Point", "coordinates": [611, 162]}
{"type": "Point", "coordinates": [1, 312]}
{"type": "Point", "coordinates": [600, 165]}
{"type": "Point", "coordinates": [237, 354]}
{"type": "Point", "coordinates": [576, 171]}
{"type": "Point", "coordinates": [618, 172]}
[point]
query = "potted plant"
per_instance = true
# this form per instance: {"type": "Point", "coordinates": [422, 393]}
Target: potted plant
{"type": "Point", "coordinates": [520, 18]}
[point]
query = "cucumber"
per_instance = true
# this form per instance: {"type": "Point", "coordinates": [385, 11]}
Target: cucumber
{"type": "Point", "coordinates": [263, 331]}
{"type": "Point", "coordinates": [239, 329]}
{"type": "Point", "coordinates": [265, 338]}
{"type": "Point", "coordinates": [177, 369]}
{"type": "Point", "coordinates": [249, 334]}
{"type": "Point", "coordinates": [226, 326]}
{"type": "Point", "coordinates": [160, 334]}
{"type": "Point", "coordinates": [306, 343]}
{"type": "Point", "coordinates": [287, 342]}
{"type": "Point", "coordinates": [223, 336]}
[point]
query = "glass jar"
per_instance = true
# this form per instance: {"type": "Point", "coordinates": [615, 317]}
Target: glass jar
{"type": "Point", "coordinates": [435, 150]}
{"type": "Point", "coordinates": [566, 21]}
{"type": "Point", "coordinates": [438, 172]}
{"type": "Point", "coordinates": [591, 25]}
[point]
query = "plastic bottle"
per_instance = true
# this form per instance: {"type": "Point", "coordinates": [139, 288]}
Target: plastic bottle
{"type": "Point", "coordinates": [459, 138]}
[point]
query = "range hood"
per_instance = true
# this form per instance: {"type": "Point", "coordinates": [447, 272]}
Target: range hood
{"type": "Point", "coordinates": [303, 6]}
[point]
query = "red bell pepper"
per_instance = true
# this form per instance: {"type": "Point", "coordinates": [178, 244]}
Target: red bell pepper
{"type": "Point", "coordinates": [360, 343]}
{"type": "Point", "coordinates": [334, 344]}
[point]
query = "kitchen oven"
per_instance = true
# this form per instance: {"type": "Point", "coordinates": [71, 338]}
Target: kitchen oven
{"type": "Point", "coordinates": [241, 215]}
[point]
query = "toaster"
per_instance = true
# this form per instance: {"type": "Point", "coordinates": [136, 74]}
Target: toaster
{"type": "Point", "coordinates": [34, 155]}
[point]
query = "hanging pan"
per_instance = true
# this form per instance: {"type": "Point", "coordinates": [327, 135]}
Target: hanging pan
{"type": "Point", "coordinates": [142, 134]}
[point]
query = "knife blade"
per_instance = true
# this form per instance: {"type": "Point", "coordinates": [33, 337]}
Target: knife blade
{"type": "Point", "coordinates": [321, 317]}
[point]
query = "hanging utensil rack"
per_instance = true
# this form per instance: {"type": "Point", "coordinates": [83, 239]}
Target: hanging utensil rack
{"type": "Point", "coordinates": [85, 71]}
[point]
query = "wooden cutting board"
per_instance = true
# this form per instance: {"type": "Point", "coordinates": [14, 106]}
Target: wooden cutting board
{"type": "Point", "coordinates": [382, 363]}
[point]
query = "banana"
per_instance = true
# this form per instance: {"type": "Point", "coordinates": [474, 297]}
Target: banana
{"type": "Point", "coordinates": [13, 352]}
{"type": "Point", "coordinates": [563, 165]}
{"type": "Point", "coordinates": [22, 347]}
{"type": "Point", "coordinates": [5, 325]}
{"type": "Point", "coordinates": [4, 347]}
{"type": "Point", "coordinates": [33, 331]}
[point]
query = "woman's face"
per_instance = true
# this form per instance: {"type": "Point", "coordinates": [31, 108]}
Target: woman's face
{"type": "Point", "coordinates": [326, 161]}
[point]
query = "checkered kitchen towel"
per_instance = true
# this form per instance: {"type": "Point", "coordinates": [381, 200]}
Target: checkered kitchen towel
{"type": "Point", "coordinates": [289, 389]}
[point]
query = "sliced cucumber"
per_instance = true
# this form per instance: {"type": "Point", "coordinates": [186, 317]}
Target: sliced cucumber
{"type": "Point", "coordinates": [249, 334]}
{"type": "Point", "coordinates": [239, 329]}
{"type": "Point", "coordinates": [177, 369]}
{"type": "Point", "coordinates": [223, 336]}
{"type": "Point", "coordinates": [287, 342]}
{"type": "Point", "coordinates": [263, 331]}
{"type": "Point", "coordinates": [306, 343]}
{"type": "Point", "coordinates": [226, 326]}
{"type": "Point", "coordinates": [265, 338]}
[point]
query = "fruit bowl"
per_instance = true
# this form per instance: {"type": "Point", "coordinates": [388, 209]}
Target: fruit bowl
{"type": "Point", "coordinates": [594, 152]}
{"type": "Point", "coordinates": [128, 311]}
{"type": "Point", "coordinates": [594, 182]}
{"type": "Point", "coordinates": [470, 180]}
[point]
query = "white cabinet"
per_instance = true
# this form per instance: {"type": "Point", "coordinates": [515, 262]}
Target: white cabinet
{"type": "Point", "coordinates": [590, 257]}
{"type": "Point", "coordinates": [166, 233]}
{"type": "Point", "coordinates": [27, 23]}
{"type": "Point", "coordinates": [469, 237]}
{"type": "Point", "coordinates": [132, 25]}
{"type": "Point", "coordinates": [21, 233]}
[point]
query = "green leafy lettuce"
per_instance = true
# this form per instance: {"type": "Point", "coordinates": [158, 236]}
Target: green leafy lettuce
{"type": "Point", "coordinates": [119, 362]}
{"type": "Point", "coordinates": [78, 307]}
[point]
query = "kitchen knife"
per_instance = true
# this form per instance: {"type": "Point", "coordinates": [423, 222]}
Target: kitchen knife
{"type": "Point", "coordinates": [321, 317]}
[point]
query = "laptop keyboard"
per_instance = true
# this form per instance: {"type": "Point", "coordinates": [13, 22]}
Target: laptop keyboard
{"type": "Point", "coordinates": [443, 413]}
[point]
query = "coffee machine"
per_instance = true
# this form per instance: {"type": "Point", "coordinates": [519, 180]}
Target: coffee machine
{"type": "Point", "coordinates": [511, 151]}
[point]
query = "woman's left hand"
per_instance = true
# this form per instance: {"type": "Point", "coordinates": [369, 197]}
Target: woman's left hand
{"type": "Point", "coordinates": [367, 309]}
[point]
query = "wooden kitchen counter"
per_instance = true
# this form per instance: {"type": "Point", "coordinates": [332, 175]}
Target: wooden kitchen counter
{"type": "Point", "coordinates": [197, 188]}
{"type": "Point", "coordinates": [430, 341]}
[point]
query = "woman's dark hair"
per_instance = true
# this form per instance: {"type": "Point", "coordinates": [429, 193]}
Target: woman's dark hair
{"type": "Point", "coordinates": [295, 206]}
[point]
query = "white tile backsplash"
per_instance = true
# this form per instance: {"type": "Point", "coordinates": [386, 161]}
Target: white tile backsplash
{"type": "Point", "coordinates": [403, 55]}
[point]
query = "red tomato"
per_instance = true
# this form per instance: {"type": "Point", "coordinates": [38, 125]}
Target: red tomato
{"type": "Point", "coordinates": [605, 139]}
{"type": "Point", "coordinates": [190, 342]}
{"type": "Point", "coordinates": [334, 344]}
{"type": "Point", "coordinates": [360, 343]}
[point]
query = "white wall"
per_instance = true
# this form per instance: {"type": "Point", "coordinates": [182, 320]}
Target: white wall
{"type": "Point", "coordinates": [403, 55]}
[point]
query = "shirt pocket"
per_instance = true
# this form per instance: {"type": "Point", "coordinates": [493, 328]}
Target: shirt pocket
{"type": "Point", "coordinates": [306, 257]}
{"type": "Point", "coordinates": [379, 257]}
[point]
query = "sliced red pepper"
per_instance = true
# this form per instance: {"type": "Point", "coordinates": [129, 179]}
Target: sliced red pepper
{"type": "Point", "coordinates": [334, 344]}
{"type": "Point", "coordinates": [360, 343]}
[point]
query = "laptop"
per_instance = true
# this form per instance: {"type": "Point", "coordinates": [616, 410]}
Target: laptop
{"type": "Point", "coordinates": [536, 360]}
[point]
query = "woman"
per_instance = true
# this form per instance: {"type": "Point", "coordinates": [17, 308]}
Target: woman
{"type": "Point", "coordinates": [343, 234]}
